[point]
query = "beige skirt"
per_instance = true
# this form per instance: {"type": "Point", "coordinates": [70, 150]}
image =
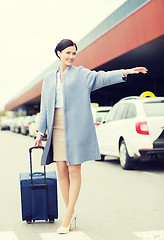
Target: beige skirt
{"type": "Point", "coordinates": [58, 136]}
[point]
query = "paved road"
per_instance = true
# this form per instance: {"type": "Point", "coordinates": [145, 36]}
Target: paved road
{"type": "Point", "coordinates": [114, 204]}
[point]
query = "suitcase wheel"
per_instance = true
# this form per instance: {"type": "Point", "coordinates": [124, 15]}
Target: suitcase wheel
{"type": "Point", "coordinates": [51, 220]}
{"type": "Point", "coordinates": [28, 221]}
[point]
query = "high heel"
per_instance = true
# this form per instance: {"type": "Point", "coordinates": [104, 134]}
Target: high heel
{"type": "Point", "coordinates": [74, 217]}
{"type": "Point", "coordinates": [63, 230]}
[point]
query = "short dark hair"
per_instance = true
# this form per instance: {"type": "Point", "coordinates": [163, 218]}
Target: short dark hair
{"type": "Point", "coordinates": [64, 44]}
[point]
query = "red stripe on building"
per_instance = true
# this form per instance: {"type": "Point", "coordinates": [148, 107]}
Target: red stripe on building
{"type": "Point", "coordinates": [32, 93]}
{"type": "Point", "coordinates": [141, 27]}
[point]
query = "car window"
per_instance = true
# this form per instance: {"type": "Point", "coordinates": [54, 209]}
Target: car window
{"type": "Point", "coordinates": [131, 113]}
{"type": "Point", "coordinates": [100, 115]}
{"type": "Point", "coordinates": [120, 111]}
{"type": "Point", "coordinates": [154, 108]}
{"type": "Point", "coordinates": [111, 114]}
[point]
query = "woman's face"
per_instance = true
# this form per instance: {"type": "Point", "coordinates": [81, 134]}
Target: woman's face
{"type": "Point", "coordinates": [67, 56]}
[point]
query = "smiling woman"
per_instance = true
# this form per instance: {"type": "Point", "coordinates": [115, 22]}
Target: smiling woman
{"type": "Point", "coordinates": [66, 115]}
{"type": "Point", "coordinates": [67, 55]}
{"type": "Point", "coordinates": [63, 44]}
{"type": "Point", "coordinates": [66, 51]}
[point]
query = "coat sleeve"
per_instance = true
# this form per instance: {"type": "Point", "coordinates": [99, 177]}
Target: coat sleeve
{"type": "Point", "coordinates": [42, 123]}
{"type": "Point", "coordinates": [95, 80]}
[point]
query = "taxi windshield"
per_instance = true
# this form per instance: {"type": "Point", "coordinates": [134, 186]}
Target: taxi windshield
{"type": "Point", "coordinates": [154, 109]}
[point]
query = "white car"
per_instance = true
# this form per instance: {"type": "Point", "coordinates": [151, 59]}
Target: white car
{"type": "Point", "coordinates": [99, 114]}
{"type": "Point", "coordinates": [133, 130]}
{"type": "Point", "coordinates": [32, 127]}
{"type": "Point", "coordinates": [5, 124]}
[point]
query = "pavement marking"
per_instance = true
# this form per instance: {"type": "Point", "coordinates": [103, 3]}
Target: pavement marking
{"type": "Point", "coordinates": [152, 174]}
{"type": "Point", "coordinates": [70, 236]}
{"type": "Point", "coordinates": [8, 236]}
{"type": "Point", "coordinates": [152, 235]}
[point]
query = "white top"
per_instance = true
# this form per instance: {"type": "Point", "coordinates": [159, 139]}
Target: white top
{"type": "Point", "coordinates": [59, 92]}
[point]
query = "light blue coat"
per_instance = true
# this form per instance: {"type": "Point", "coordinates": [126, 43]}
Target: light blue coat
{"type": "Point", "coordinates": [80, 136]}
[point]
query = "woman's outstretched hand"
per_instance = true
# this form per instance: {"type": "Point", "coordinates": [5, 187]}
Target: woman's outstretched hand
{"type": "Point", "coordinates": [38, 141]}
{"type": "Point", "coordinates": [135, 70]}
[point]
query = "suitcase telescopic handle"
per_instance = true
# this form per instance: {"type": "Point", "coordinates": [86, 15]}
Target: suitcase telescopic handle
{"type": "Point", "coordinates": [33, 186]}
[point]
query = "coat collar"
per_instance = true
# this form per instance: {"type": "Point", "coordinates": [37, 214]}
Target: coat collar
{"type": "Point", "coordinates": [57, 69]}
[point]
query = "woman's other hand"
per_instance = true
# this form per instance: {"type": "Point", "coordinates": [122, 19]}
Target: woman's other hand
{"type": "Point", "coordinates": [38, 141]}
{"type": "Point", "coordinates": [135, 70]}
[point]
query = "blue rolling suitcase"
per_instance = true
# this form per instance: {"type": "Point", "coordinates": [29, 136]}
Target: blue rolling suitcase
{"type": "Point", "coordinates": [38, 194]}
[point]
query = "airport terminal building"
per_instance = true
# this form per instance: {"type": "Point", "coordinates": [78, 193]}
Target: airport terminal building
{"type": "Point", "coordinates": [131, 36]}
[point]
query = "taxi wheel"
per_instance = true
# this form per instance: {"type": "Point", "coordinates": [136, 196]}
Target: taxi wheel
{"type": "Point", "coordinates": [126, 161]}
{"type": "Point", "coordinates": [102, 158]}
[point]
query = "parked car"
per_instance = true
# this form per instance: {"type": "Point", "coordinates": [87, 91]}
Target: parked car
{"type": "Point", "coordinates": [13, 124]}
{"type": "Point", "coordinates": [99, 114]}
{"type": "Point", "coordinates": [33, 127]}
{"type": "Point", "coordinates": [25, 124]}
{"type": "Point", "coordinates": [18, 124]}
{"type": "Point", "coordinates": [133, 130]}
{"type": "Point", "coordinates": [5, 124]}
